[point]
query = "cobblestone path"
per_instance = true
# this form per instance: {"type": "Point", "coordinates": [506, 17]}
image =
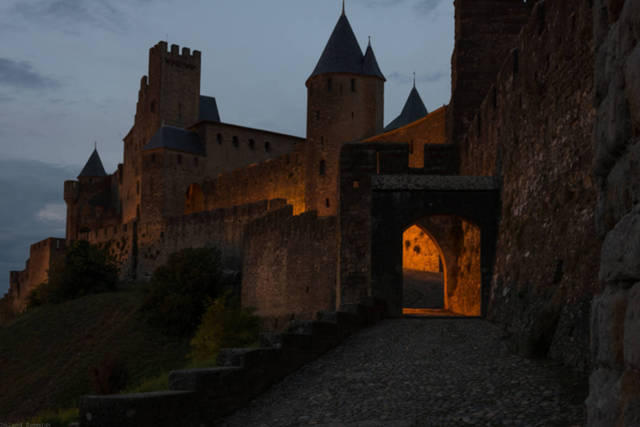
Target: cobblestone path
{"type": "Point", "coordinates": [422, 372]}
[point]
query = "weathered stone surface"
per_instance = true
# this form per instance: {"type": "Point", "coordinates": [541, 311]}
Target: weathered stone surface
{"type": "Point", "coordinates": [632, 88]}
{"type": "Point", "coordinates": [603, 403]}
{"type": "Point", "coordinates": [620, 255]}
{"type": "Point", "coordinates": [632, 329]}
{"type": "Point", "coordinates": [433, 182]}
{"type": "Point", "coordinates": [607, 328]}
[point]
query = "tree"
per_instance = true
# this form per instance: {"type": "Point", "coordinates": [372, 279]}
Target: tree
{"type": "Point", "coordinates": [180, 289]}
{"type": "Point", "coordinates": [85, 269]}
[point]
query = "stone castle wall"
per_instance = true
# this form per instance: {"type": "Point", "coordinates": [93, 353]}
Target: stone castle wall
{"type": "Point", "coordinates": [222, 228]}
{"type": "Point", "coordinates": [120, 242]}
{"type": "Point", "coordinates": [614, 397]}
{"type": "Point", "coordinates": [279, 178]}
{"type": "Point", "coordinates": [533, 131]}
{"type": "Point", "coordinates": [428, 130]}
{"type": "Point", "coordinates": [41, 255]}
{"type": "Point", "coordinates": [290, 266]}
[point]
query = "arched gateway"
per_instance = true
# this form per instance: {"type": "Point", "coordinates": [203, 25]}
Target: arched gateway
{"type": "Point", "coordinates": [381, 197]}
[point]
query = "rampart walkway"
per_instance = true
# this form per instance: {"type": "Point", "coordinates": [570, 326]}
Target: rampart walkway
{"type": "Point", "coordinates": [422, 372]}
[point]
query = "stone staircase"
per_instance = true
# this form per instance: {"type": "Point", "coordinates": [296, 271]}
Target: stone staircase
{"type": "Point", "coordinates": [199, 397]}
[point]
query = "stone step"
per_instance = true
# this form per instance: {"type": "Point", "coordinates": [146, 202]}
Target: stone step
{"type": "Point", "coordinates": [160, 408]}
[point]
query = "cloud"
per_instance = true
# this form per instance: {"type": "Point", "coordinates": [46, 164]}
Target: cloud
{"type": "Point", "coordinates": [425, 7]}
{"type": "Point", "coordinates": [31, 191]}
{"type": "Point", "coordinates": [71, 13]}
{"type": "Point", "coordinates": [52, 213]}
{"type": "Point", "coordinates": [5, 99]}
{"type": "Point", "coordinates": [405, 78]}
{"type": "Point", "coordinates": [381, 3]}
{"type": "Point", "coordinates": [22, 75]}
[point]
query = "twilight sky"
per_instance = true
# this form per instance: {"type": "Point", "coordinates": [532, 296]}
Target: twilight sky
{"type": "Point", "coordinates": [70, 71]}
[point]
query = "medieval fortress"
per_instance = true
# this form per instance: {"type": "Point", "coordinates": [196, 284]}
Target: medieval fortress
{"type": "Point", "coordinates": [526, 182]}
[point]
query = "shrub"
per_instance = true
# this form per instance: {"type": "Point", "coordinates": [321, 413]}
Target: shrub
{"type": "Point", "coordinates": [109, 377]}
{"type": "Point", "coordinates": [224, 324]}
{"type": "Point", "coordinates": [179, 290]}
{"type": "Point", "coordinates": [85, 269]}
{"type": "Point", "coordinates": [55, 418]}
{"type": "Point", "coordinates": [7, 314]}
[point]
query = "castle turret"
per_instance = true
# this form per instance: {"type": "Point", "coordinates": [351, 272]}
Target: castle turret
{"type": "Point", "coordinates": [413, 110]}
{"type": "Point", "coordinates": [89, 199]}
{"type": "Point", "coordinates": [345, 102]}
{"type": "Point", "coordinates": [170, 95]}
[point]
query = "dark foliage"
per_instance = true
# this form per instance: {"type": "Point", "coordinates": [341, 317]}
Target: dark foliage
{"type": "Point", "coordinates": [179, 290]}
{"type": "Point", "coordinates": [85, 269]}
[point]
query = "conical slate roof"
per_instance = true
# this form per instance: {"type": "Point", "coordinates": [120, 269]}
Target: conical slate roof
{"type": "Point", "coordinates": [413, 110]}
{"type": "Point", "coordinates": [370, 64]}
{"type": "Point", "coordinates": [342, 54]}
{"type": "Point", "coordinates": [93, 167]}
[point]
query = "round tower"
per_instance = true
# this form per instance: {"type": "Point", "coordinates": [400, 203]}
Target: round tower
{"type": "Point", "coordinates": [345, 102]}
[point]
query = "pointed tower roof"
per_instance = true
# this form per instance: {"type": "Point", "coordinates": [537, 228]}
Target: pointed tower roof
{"type": "Point", "coordinates": [93, 167]}
{"type": "Point", "coordinates": [413, 110]}
{"type": "Point", "coordinates": [370, 64]}
{"type": "Point", "coordinates": [342, 54]}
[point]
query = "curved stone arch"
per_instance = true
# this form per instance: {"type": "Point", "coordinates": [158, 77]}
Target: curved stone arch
{"type": "Point", "coordinates": [393, 211]}
{"type": "Point", "coordinates": [194, 200]}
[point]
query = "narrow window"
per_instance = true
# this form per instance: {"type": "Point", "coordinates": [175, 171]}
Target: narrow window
{"type": "Point", "coordinates": [317, 115]}
{"type": "Point", "coordinates": [411, 147]}
{"type": "Point", "coordinates": [353, 85]}
{"type": "Point", "coordinates": [219, 138]}
{"type": "Point", "coordinates": [252, 144]}
{"type": "Point", "coordinates": [179, 159]}
{"type": "Point", "coordinates": [353, 115]}
{"type": "Point", "coordinates": [153, 158]}
{"type": "Point", "coordinates": [329, 84]}
{"type": "Point", "coordinates": [138, 211]}
{"type": "Point", "coordinates": [195, 161]}
{"type": "Point", "coordinates": [153, 106]}
{"type": "Point", "coordinates": [323, 167]}
{"type": "Point", "coordinates": [235, 141]}
{"type": "Point", "coordinates": [326, 203]}
{"type": "Point", "coordinates": [267, 146]}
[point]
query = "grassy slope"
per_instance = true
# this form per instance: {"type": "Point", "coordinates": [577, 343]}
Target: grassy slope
{"type": "Point", "coordinates": [46, 354]}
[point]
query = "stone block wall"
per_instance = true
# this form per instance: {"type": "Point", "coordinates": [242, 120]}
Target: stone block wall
{"type": "Point", "coordinates": [222, 228]}
{"type": "Point", "coordinates": [430, 130]}
{"type": "Point", "coordinates": [533, 131]}
{"type": "Point", "coordinates": [290, 266]}
{"type": "Point", "coordinates": [230, 147]}
{"type": "Point", "coordinates": [279, 178]}
{"type": "Point", "coordinates": [120, 243]}
{"type": "Point", "coordinates": [41, 255]}
{"type": "Point", "coordinates": [614, 397]}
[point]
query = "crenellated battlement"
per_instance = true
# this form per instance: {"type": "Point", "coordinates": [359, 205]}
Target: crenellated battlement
{"type": "Point", "coordinates": [174, 53]}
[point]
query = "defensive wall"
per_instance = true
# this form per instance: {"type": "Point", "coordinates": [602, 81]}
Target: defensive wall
{"type": "Point", "coordinates": [289, 267]}
{"type": "Point", "coordinates": [222, 228]}
{"type": "Point", "coordinates": [120, 241]}
{"type": "Point", "coordinates": [279, 178]}
{"type": "Point", "coordinates": [431, 129]}
{"type": "Point", "coordinates": [41, 255]}
{"type": "Point", "coordinates": [229, 147]}
{"type": "Point", "coordinates": [533, 131]}
{"type": "Point", "coordinates": [614, 397]}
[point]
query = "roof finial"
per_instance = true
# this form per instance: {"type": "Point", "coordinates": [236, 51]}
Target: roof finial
{"type": "Point", "coordinates": [369, 40]}
{"type": "Point", "coordinates": [95, 145]}
{"type": "Point", "coordinates": [414, 79]}
{"type": "Point", "coordinates": [343, 7]}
